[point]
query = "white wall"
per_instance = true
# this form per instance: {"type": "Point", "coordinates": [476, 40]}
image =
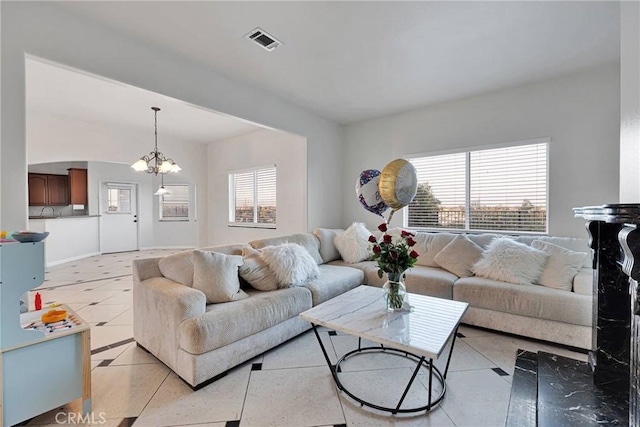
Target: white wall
{"type": "Point", "coordinates": [57, 139]}
{"type": "Point", "coordinates": [43, 30]}
{"type": "Point", "coordinates": [580, 113]}
{"type": "Point", "coordinates": [266, 147]}
{"type": "Point", "coordinates": [630, 102]}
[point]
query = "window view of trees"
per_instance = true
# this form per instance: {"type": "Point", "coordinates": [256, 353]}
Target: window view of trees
{"type": "Point", "coordinates": [498, 189]}
{"type": "Point", "coordinates": [253, 196]}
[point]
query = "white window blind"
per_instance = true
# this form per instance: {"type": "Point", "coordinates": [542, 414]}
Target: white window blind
{"type": "Point", "coordinates": [175, 205]}
{"type": "Point", "coordinates": [495, 189]}
{"type": "Point", "coordinates": [252, 197]}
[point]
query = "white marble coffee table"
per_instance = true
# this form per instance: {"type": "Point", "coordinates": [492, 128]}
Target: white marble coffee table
{"type": "Point", "coordinates": [420, 334]}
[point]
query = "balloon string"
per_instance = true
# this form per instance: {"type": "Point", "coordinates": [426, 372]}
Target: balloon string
{"type": "Point", "coordinates": [390, 216]}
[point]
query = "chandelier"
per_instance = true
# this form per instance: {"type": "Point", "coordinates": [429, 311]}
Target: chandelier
{"type": "Point", "coordinates": [155, 162]}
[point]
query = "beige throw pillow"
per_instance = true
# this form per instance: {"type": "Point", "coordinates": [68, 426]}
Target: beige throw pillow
{"type": "Point", "coordinates": [561, 267]}
{"type": "Point", "coordinates": [353, 243]}
{"type": "Point", "coordinates": [506, 260]}
{"type": "Point", "coordinates": [291, 263]}
{"type": "Point", "coordinates": [256, 272]}
{"type": "Point", "coordinates": [178, 267]}
{"type": "Point", "coordinates": [328, 250]}
{"type": "Point", "coordinates": [459, 256]}
{"type": "Point", "coordinates": [428, 245]}
{"type": "Point", "coordinates": [216, 275]}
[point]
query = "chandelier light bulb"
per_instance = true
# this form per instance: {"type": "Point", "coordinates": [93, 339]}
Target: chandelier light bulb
{"type": "Point", "coordinates": [156, 163]}
{"type": "Point", "coordinates": [140, 166]}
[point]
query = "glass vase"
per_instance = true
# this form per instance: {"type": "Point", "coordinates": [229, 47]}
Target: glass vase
{"type": "Point", "coordinates": [395, 292]}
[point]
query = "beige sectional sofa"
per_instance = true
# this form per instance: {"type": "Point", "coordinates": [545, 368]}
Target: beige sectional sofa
{"type": "Point", "coordinates": [201, 341]}
{"type": "Point", "coordinates": [535, 311]}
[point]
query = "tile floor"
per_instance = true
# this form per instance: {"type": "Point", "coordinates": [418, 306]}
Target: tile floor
{"type": "Point", "coordinates": [287, 386]}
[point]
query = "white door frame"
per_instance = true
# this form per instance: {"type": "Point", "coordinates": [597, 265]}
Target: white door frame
{"type": "Point", "coordinates": [102, 197]}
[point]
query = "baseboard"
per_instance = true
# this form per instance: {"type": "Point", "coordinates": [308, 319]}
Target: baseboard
{"type": "Point", "coordinates": [75, 258]}
{"type": "Point", "coordinates": [164, 247]}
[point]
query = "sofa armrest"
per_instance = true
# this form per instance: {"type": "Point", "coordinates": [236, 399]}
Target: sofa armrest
{"type": "Point", "coordinates": [146, 268]}
{"type": "Point", "coordinates": [583, 282]}
{"type": "Point", "coordinates": [160, 305]}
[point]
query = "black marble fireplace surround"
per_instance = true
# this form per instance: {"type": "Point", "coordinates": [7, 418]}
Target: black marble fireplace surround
{"type": "Point", "coordinates": [550, 390]}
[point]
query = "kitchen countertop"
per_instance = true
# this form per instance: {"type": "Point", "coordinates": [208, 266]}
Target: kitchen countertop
{"type": "Point", "coordinates": [63, 217]}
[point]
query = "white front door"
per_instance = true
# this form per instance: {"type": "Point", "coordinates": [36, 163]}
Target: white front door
{"type": "Point", "coordinates": [119, 222]}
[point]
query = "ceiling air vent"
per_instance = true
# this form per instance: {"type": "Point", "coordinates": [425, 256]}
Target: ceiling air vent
{"type": "Point", "coordinates": [264, 40]}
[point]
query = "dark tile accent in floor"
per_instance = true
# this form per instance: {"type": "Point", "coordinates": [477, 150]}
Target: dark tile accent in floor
{"type": "Point", "coordinates": [235, 423]}
{"type": "Point", "coordinates": [333, 333]}
{"type": "Point", "coordinates": [101, 324]}
{"type": "Point", "coordinates": [500, 372]}
{"type": "Point", "coordinates": [87, 290]}
{"type": "Point", "coordinates": [126, 290]}
{"type": "Point", "coordinates": [256, 367]}
{"type": "Point", "coordinates": [110, 346]}
{"type": "Point", "coordinates": [339, 425]}
{"type": "Point", "coordinates": [94, 303]}
{"type": "Point", "coordinates": [460, 335]}
{"type": "Point", "coordinates": [85, 281]}
{"type": "Point", "coordinates": [106, 362]}
{"type": "Point", "coordinates": [127, 422]}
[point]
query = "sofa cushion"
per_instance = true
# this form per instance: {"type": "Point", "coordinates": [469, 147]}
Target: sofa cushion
{"type": "Point", "coordinates": [561, 267]}
{"type": "Point", "coordinates": [226, 323]}
{"type": "Point", "coordinates": [333, 281]}
{"type": "Point", "coordinates": [216, 275]}
{"type": "Point", "coordinates": [291, 263]}
{"type": "Point", "coordinates": [364, 266]}
{"type": "Point", "coordinates": [430, 281]}
{"type": "Point", "coordinates": [571, 243]}
{"type": "Point", "coordinates": [353, 243]}
{"type": "Point", "coordinates": [306, 240]}
{"type": "Point", "coordinates": [233, 249]}
{"type": "Point", "coordinates": [328, 250]}
{"type": "Point", "coordinates": [459, 256]}
{"type": "Point", "coordinates": [178, 267]}
{"type": "Point", "coordinates": [525, 300]}
{"type": "Point", "coordinates": [256, 272]}
{"type": "Point", "coordinates": [428, 245]}
{"type": "Point", "coordinates": [509, 261]}
{"type": "Point", "coordinates": [482, 239]}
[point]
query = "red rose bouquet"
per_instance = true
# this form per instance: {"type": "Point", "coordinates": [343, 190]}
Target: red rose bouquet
{"type": "Point", "coordinates": [393, 253]}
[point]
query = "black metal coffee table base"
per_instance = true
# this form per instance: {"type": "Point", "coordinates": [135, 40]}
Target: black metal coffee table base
{"type": "Point", "coordinates": [422, 362]}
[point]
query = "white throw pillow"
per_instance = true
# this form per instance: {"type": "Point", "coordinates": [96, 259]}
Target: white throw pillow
{"type": "Point", "coordinates": [459, 256]}
{"type": "Point", "coordinates": [506, 260]}
{"type": "Point", "coordinates": [256, 272]}
{"type": "Point", "coordinates": [353, 243]}
{"type": "Point", "coordinates": [216, 275]}
{"type": "Point", "coordinates": [291, 263]}
{"type": "Point", "coordinates": [561, 267]}
{"type": "Point", "coordinates": [428, 245]}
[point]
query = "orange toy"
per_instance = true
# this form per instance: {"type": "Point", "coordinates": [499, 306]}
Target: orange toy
{"type": "Point", "coordinates": [53, 316]}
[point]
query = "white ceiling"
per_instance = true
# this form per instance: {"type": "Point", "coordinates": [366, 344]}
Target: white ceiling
{"type": "Point", "coordinates": [350, 61]}
{"type": "Point", "coordinates": [52, 90]}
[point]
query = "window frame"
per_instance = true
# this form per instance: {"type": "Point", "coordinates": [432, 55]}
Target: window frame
{"type": "Point", "coordinates": [467, 152]}
{"type": "Point", "coordinates": [232, 198]}
{"type": "Point", "coordinates": [190, 203]}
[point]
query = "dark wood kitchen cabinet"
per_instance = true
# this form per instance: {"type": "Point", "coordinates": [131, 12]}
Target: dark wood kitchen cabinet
{"type": "Point", "coordinates": [48, 190]}
{"type": "Point", "coordinates": [78, 186]}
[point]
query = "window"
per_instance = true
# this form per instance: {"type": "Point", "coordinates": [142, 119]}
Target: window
{"type": "Point", "coordinates": [119, 200]}
{"type": "Point", "coordinates": [252, 198]}
{"type": "Point", "coordinates": [499, 189]}
{"type": "Point", "coordinates": [175, 205]}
